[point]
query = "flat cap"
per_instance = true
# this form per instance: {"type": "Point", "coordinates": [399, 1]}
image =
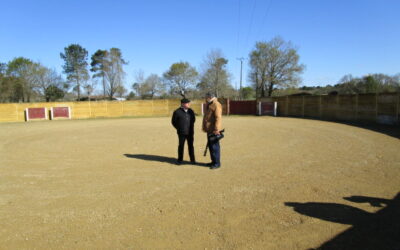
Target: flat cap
{"type": "Point", "coordinates": [210, 94]}
{"type": "Point", "coordinates": [185, 100]}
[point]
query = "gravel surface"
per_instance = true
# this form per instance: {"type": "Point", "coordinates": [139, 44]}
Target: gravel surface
{"type": "Point", "coordinates": [285, 183]}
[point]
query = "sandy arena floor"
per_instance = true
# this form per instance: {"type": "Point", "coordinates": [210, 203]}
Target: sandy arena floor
{"type": "Point", "coordinates": [285, 183]}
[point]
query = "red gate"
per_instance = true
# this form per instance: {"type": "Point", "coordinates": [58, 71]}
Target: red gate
{"type": "Point", "coordinates": [243, 107]}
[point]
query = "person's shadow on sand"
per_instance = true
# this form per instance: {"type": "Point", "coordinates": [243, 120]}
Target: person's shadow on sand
{"type": "Point", "coordinates": [380, 230]}
{"type": "Point", "coordinates": [160, 158]}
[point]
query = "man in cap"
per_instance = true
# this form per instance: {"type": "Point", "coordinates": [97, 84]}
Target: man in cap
{"type": "Point", "coordinates": [183, 120]}
{"type": "Point", "coordinates": [212, 125]}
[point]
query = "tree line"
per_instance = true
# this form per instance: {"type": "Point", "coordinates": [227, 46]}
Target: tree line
{"type": "Point", "coordinates": [23, 80]}
{"type": "Point", "coordinates": [348, 85]}
{"type": "Point", "coordinates": [274, 69]}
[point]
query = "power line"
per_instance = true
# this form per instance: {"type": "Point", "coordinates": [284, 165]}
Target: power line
{"type": "Point", "coordinates": [264, 18]}
{"type": "Point", "coordinates": [238, 29]}
{"type": "Point", "coordinates": [251, 23]}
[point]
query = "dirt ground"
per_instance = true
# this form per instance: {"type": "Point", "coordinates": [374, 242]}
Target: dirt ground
{"type": "Point", "coordinates": [285, 183]}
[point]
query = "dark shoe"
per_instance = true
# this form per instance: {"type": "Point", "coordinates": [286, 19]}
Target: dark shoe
{"type": "Point", "coordinates": [215, 166]}
{"type": "Point", "coordinates": [209, 164]}
{"type": "Point", "coordinates": [178, 162]}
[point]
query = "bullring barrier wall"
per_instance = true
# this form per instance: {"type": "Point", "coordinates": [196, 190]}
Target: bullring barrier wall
{"type": "Point", "coordinates": [381, 108]}
{"type": "Point", "coordinates": [15, 112]}
{"type": "Point", "coordinates": [373, 108]}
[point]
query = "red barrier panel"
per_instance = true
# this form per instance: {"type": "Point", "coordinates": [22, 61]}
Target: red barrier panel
{"type": "Point", "coordinates": [35, 113]}
{"type": "Point", "coordinates": [60, 112]}
{"type": "Point", "coordinates": [243, 107]}
{"type": "Point", "coordinates": [267, 108]}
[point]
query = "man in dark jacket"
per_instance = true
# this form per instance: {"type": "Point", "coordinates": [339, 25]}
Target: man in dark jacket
{"type": "Point", "coordinates": [183, 120]}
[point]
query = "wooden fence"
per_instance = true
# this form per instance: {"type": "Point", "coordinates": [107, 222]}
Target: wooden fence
{"type": "Point", "coordinates": [243, 107]}
{"type": "Point", "coordinates": [376, 108]}
{"type": "Point", "coordinates": [15, 112]}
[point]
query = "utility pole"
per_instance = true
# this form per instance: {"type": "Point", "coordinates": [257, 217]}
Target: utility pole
{"type": "Point", "coordinates": [241, 68]}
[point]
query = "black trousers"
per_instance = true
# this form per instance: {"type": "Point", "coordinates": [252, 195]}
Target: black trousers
{"type": "Point", "coordinates": [189, 139]}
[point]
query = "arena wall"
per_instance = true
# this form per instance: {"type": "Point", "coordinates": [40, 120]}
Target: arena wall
{"type": "Point", "coordinates": [371, 108]}
{"type": "Point", "coordinates": [375, 108]}
{"type": "Point", "coordinates": [15, 112]}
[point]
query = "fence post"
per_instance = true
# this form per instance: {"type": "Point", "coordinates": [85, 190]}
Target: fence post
{"type": "Point", "coordinates": [320, 107]}
{"type": "Point", "coordinates": [90, 110]}
{"type": "Point", "coordinates": [228, 106]}
{"type": "Point", "coordinates": [16, 112]}
{"type": "Point", "coordinates": [167, 107]}
{"type": "Point", "coordinates": [376, 107]}
{"type": "Point", "coordinates": [287, 105]}
{"type": "Point", "coordinates": [356, 107]}
{"type": "Point", "coordinates": [337, 111]}
{"type": "Point", "coordinates": [398, 107]}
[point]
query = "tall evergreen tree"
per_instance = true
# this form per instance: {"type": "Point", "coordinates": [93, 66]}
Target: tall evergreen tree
{"type": "Point", "coordinates": [75, 65]}
{"type": "Point", "coordinates": [99, 66]}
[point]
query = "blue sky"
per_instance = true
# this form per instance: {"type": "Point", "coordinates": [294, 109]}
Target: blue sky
{"type": "Point", "coordinates": [334, 37]}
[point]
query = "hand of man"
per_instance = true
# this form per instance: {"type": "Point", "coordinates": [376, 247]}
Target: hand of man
{"type": "Point", "coordinates": [216, 132]}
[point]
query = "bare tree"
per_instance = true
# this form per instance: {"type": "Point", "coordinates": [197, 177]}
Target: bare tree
{"type": "Point", "coordinates": [274, 64]}
{"type": "Point", "coordinates": [45, 77]}
{"type": "Point", "coordinates": [121, 91]}
{"type": "Point", "coordinates": [152, 85]}
{"type": "Point", "coordinates": [90, 86]}
{"type": "Point", "coordinates": [114, 72]}
{"type": "Point", "coordinates": [181, 77]}
{"type": "Point", "coordinates": [215, 76]}
{"type": "Point", "coordinates": [139, 79]}
{"type": "Point", "coordinates": [148, 87]}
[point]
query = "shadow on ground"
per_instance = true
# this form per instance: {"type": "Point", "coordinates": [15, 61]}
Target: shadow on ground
{"type": "Point", "coordinates": [390, 130]}
{"type": "Point", "coordinates": [159, 158]}
{"type": "Point", "coordinates": [380, 230]}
